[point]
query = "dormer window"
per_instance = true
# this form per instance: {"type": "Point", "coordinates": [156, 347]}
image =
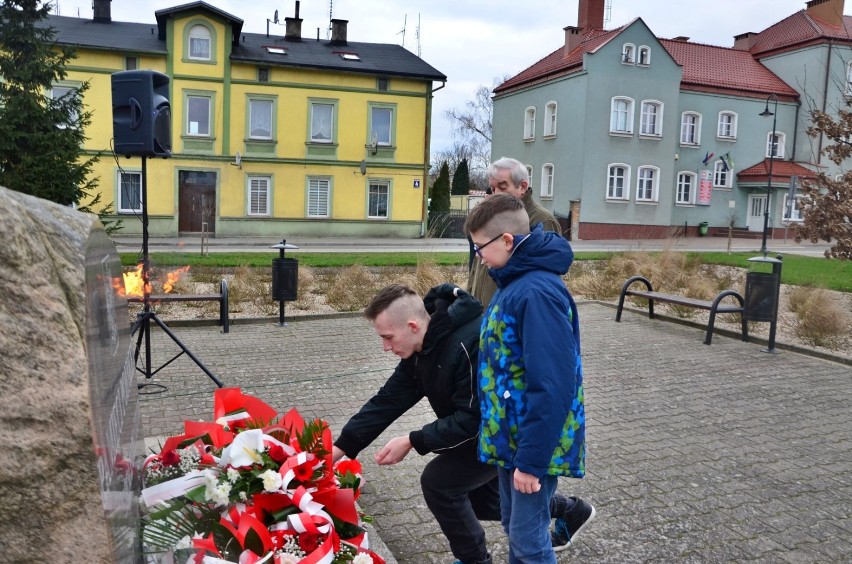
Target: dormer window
{"type": "Point", "coordinates": [349, 56]}
{"type": "Point", "coordinates": [275, 50]}
{"type": "Point", "coordinates": [199, 43]}
{"type": "Point", "coordinates": [628, 54]}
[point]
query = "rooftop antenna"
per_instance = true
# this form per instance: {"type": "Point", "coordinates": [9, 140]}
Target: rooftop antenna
{"type": "Point", "coordinates": [607, 12]}
{"type": "Point", "coordinates": [273, 20]}
{"type": "Point", "coordinates": [57, 8]}
{"type": "Point", "coordinates": [330, 17]}
{"type": "Point", "coordinates": [418, 34]}
{"type": "Point", "coordinates": [404, 25]}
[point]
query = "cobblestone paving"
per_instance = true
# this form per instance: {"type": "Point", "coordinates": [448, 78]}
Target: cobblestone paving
{"type": "Point", "coordinates": [695, 453]}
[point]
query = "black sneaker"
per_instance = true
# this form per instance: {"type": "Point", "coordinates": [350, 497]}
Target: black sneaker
{"type": "Point", "coordinates": [568, 527]}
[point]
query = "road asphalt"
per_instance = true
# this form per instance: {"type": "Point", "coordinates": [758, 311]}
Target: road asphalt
{"type": "Point", "coordinates": [343, 244]}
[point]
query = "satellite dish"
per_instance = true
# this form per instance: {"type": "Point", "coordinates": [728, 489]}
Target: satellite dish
{"type": "Point", "coordinates": [363, 166]}
{"type": "Point", "coordinates": [238, 160]}
{"type": "Point", "coordinates": [275, 17]}
{"type": "Point", "coordinates": [374, 143]}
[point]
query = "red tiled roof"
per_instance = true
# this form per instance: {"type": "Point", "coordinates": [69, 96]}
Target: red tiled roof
{"type": "Point", "coordinates": [780, 169]}
{"type": "Point", "coordinates": [799, 28]}
{"type": "Point", "coordinates": [705, 67]}
{"type": "Point", "coordinates": [724, 68]}
{"type": "Point", "coordinates": [557, 62]}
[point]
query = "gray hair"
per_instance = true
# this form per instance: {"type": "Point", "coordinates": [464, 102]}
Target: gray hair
{"type": "Point", "coordinates": [516, 168]}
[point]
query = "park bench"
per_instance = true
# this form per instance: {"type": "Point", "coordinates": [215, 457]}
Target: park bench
{"type": "Point", "coordinates": [713, 307]}
{"type": "Point", "coordinates": [221, 297]}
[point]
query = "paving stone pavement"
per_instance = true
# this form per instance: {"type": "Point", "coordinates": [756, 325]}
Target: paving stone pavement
{"type": "Point", "coordinates": [695, 453]}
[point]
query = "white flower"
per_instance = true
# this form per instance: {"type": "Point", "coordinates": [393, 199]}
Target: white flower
{"type": "Point", "coordinates": [233, 475]}
{"type": "Point", "coordinates": [244, 450]}
{"type": "Point", "coordinates": [362, 558]}
{"type": "Point", "coordinates": [243, 496]}
{"type": "Point", "coordinates": [271, 481]}
{"type": "Point", "coordinates": [185, 542]}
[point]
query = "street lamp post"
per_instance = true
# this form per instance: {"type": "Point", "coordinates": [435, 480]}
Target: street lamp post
{"type": "Point", "coordinates": [773, 146]}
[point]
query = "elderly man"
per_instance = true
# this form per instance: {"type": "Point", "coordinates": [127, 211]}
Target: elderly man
{"type": "Point", "coordinates": [507, 176]}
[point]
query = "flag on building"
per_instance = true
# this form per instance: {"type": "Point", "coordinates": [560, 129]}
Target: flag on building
{"type": "Point", "coordinates": [707, 156]}
{"type": "Point", "coordinates": [727, 162]}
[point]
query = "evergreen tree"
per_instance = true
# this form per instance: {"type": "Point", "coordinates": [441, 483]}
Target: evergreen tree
{"type": "Point", "coordinates": [461, 179]}
{"type": "Point", "coordinates": [41, 137]}
{"type": "Point", "coordinates": [440, 192]}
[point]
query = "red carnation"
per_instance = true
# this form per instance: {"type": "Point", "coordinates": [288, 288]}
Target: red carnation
{"type": "Point", "coordinates": [345, 466]}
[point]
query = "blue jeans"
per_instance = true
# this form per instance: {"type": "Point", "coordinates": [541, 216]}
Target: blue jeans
{"type": "Point", "coordinates": [526, 519]}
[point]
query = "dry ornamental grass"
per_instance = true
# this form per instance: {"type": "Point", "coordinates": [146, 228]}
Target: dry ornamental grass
{"type": "Point", "coordinates": [810, 317]}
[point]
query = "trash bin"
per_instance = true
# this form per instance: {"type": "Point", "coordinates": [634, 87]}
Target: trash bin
{"type": "Point", "coordinates": [762, 292]}
{"type": "Point", "coordinates": [702, 228]}
{"type": "Point", "coordinates": [285, 278]}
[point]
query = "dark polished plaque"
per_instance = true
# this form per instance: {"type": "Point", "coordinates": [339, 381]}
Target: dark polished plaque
{"type": "Point", "coordinates": [116, 421]}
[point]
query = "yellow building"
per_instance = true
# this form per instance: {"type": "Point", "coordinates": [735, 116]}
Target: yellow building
{"type": "Point", "coordinates": [271, 135]}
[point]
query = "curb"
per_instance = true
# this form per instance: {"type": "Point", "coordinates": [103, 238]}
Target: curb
{"type": "Point", "coordinates": [733, 334]}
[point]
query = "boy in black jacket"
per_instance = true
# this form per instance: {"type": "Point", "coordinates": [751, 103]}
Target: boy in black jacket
{"type": "Point", "coordinates": [437, 338]}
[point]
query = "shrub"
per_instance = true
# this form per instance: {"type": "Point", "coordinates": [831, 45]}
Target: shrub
{"type": "Point", "coordinates": [352, 289]}
{"type": "Point", "coordinates": [820, 320]}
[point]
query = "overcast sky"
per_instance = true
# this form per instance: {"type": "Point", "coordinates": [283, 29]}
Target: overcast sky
{"type": "Point", "coordinates": [474, 41]}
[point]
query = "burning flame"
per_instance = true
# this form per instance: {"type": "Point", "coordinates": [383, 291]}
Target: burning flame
{"type": "Point", "coordinates": [133, 284]}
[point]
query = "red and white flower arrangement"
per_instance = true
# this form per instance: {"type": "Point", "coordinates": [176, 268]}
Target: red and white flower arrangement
{"type": "Point", "coordinates": [253, 487]}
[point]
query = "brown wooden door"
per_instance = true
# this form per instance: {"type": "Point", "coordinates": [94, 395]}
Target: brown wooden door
{"type": "Point", "coordinates": [196, 201]}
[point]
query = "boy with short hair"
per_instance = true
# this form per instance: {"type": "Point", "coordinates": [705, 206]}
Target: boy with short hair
{"type": "Point", "coordinates": [530, 375]}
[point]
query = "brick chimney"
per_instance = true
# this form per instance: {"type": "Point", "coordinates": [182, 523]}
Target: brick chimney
{"type": "Point", "coordinates": [829, 11]}
{"type": "Point", "coordinates": [101, 9]}
{"type": "Point", "coordinates": [338, 31]}
{"type": "Point", "coordinates": [293, 26]}
{"type": "Point", "coordinates": [745, 41]}
{"type": "Point", "coordinates": [590, 15]}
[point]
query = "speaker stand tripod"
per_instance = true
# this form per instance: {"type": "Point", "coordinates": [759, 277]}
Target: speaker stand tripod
{"type": "Point", "coordinates": [144, 319]}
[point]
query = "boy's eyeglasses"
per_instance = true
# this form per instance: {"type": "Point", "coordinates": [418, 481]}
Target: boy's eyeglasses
{"type": "Point", "coordinates": [478, 248]}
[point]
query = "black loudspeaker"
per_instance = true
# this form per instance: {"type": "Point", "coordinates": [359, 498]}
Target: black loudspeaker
{"type": "Point", "coordinates": [141, 114]}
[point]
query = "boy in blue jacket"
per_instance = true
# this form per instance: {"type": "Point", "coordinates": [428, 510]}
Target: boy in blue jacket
{"type": "Point", "coordinates": [530, 375]}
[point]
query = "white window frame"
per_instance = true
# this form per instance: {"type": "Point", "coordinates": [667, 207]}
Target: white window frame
{"type": "Point", "coordinates": [692, 187]}
{"type": "Point", "coordinates": [382, 142]}
{"type": "Point", "coordinates": [550, 119]}
{"type": "Point", "coordinates": [847, 90]}
{"type": "Point", "coordinates": [625, 182]}
{"type": "Point", "coordinates": [685, 126]}
{"type": "Point", "coordinates": [529, 123]}
{"type": "Point", "coordinates": [628, 115]}
{"type": "Point", "coordinates": [199, 32]}
{"type": "Point", "coordinates": [71, 90]}
{"type": "Point", "coordinates": [628, 54]}
{"type": "Point", "coordinates": [251, 124]}
{"type": "Point", "coordinates": [779, 144]}
{"type": "Point", "coordinates": [122, 208]}
{"type": "Point", "coordinates": [548, 173]}
{"type": "Point", "coordinates": [796, 216]}
{"type": "Point", "coordinates": [259, 185]}
{"type": "Point", "coordinates": [719, 173]}
{"type": "Point", "coordinates": [319, 191]}
{"type": "Point", "coordinates": [370, 195]}
{"type": "Point", "coordinates": [188, 129]}
{"type": "Point", "coordinates": [733, 125]}
{"type": "Point", "coordinates": [645, 121]}
{"type": "Point", "coordinates": [643, 56]}
{"type": "Point", "coordinates": [314, 125]}
{"type": "Point", "coordinates": [642, 184]}
{"type": "Point", "coordinates": [530, 174]}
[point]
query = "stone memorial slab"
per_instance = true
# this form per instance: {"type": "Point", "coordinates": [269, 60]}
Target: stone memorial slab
{"type": "Point", "coordinates": [69, 419]}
